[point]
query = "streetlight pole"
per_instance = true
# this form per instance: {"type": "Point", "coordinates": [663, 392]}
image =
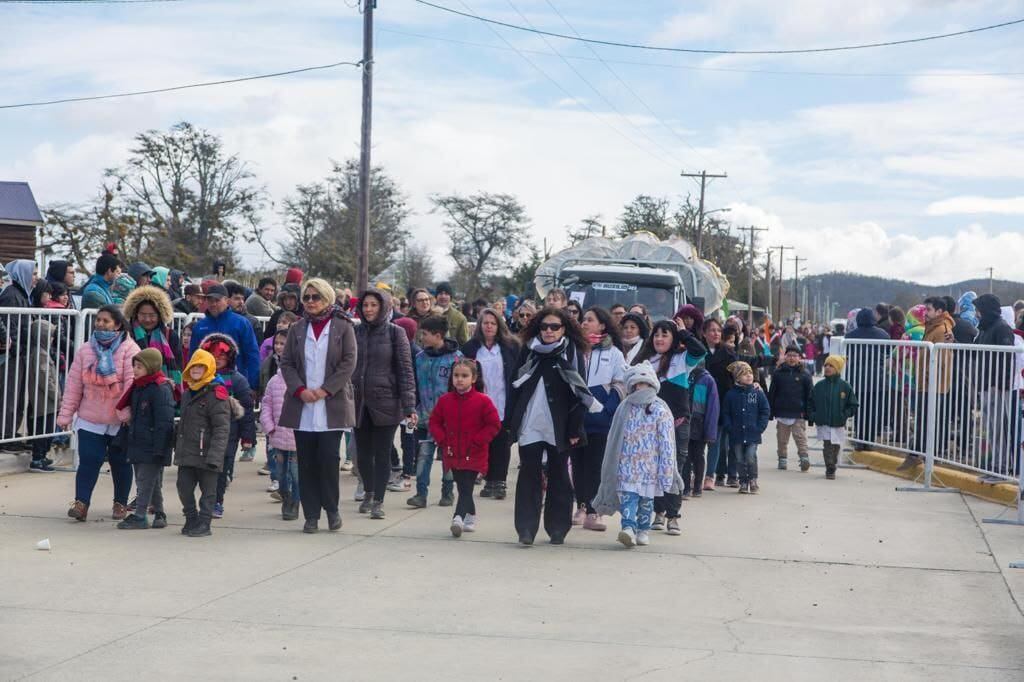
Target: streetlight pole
{"type": "Point", "coordinates": [703, 175]}
{"type": "Point", "coordinates": [363, 256]}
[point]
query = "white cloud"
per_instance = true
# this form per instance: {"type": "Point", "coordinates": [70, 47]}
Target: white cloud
{"type": "Point", "coordinates": [974, 205]}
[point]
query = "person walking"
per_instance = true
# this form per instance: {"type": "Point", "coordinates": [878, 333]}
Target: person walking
{"type": "Point", "coordinates": [203, 433]}
{"type": "Point", "coordinates": [462, 424]}
{"type": "Point", "coordinates": [788, 397]}
{"type": "Point", "coordinates": [150, 398]}
{"type": "Point", "coordinates": [281, 439]}
{"type": "Point", "coordinates": [605, 376]}
{"type": "Point", "coordinates": [317, 365]}
{"type": "Point", "coordinates": [458, 327]}
{"type": "Point", "coordinates": [384, 395]}
{"type": "Point", "coordinates": [497, 352]}
{"type": "Point", "coordinates": [549, 401]}
{"type": "Point", "coordinates": [220, 318]}
{"type": "Point", "coordinates": [833, 403]}
{"type": "Point", "coordinates": [96, 380]}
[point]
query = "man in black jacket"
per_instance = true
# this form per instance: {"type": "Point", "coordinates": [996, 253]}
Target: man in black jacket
{"type": "Point", "coordinates": [998, 403]}
{"type": "Point", "coordinates": [866, 369]}
{"type": "Point", "coordinates": [788, 397]}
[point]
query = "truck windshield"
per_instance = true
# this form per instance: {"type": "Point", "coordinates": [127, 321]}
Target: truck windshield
{"type": "Point", "coordinates": [660, 302]}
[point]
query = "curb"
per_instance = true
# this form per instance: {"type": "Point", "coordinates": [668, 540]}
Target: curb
{"type": "Point", "coordinates": [942, 477]}
{"type": "Point", "coordinates": [14, 463]}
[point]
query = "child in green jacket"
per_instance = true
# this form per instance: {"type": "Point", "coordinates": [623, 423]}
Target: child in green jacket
{"type": "Point", "coordinates": [833, 402]}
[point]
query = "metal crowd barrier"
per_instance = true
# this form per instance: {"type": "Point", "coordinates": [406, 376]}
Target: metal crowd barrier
{"type": "Point", "coordinates": [954, 403]}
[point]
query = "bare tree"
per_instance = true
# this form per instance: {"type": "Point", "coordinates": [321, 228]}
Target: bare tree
{"type": "Point", "coordinates": [417, 266]}
{"type": "Point", "coordinates": [646, 214]}
{"type": "Point", "coordinates": [591, 226]}
{"type": "Point", "coordinates": [487, 233]}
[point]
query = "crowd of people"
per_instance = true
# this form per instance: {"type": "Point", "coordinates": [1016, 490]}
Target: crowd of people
{"type": "Point", "coordinates": [611, 411]}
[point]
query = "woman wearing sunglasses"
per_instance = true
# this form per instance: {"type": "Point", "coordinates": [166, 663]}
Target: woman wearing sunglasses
{"type": "Point", "coordinates": [317, 364]}
{"type": "Point", "coordinates": [545, 414]}
{"type": "Point", "coordinates": [522, 315]}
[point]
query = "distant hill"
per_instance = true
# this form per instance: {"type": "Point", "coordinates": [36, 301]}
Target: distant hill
{"type": "Point", "coordinates": [852, 290]}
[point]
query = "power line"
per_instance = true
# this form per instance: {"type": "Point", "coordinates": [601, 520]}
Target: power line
{"type": "Point", "coordinates": [626, 85]}
{"type": "Point", "coordinates": [594, 88]}
{"type": "Point", "coordinates": [83, 2]}
{"type": "Point", "coordinates": [659, 48]}
{"type": "Point", "coordinates": [568, 94]}
{"type": "Point", "coordinates": [688, 67]}
{"type": "Point", "coordinates": [206, 84]}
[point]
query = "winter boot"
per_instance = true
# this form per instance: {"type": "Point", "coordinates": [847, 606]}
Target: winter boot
{"type": "Point", "coordinates": [805, 464]}
{"type": "Point", "coordinates": [191, 521]}
{"type": "Point", "coordinates": [500, 491]}
{"type": "Point", "coordinates": [289, 508]}
{"type": "Point", "coordinates": [783, 463]}
{"type": "Point", "coordinates": [831, 461]}
{"type": "Point", "coordinates": [366, 504]}
{"type": "Point", "coordinates": [202, 528]}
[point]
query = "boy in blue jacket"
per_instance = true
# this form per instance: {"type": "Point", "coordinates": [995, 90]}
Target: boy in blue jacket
{"type": "Point", "coordinates": [745, 414]}
{"type": "Point", "coordinates": [433, 367]}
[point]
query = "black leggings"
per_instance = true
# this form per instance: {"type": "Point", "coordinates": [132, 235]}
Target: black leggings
{"type": "Point", "coordinates": [694, 465]}
{"type": "Point", "coordinates": [464, 482]}
{"type": "Point", "coordinates": [586, 469]}
{"type": "Point", "coordinates": [373, 452]}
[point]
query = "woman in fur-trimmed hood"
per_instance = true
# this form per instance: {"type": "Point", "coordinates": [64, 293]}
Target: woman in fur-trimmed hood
{"type": "Point", "coordinates": [149, 314]}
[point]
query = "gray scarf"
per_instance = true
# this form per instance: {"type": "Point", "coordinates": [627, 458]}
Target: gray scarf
{"type": "Point", "coordinates": [569, 375]}
{"type": "Point", "coordinates": [606, 502]}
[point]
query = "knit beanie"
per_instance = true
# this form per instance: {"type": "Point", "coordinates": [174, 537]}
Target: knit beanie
{"type": "Point", "coordinates": [151, 359]}
{"type": "Point", "coordinates": [293, 276]}
{"type": "Point", "coordinates": [836, 362]}
{"type": "Point", "coordinates": [642, 373]}
{"type": "Point", "coordinates": [738, 369]}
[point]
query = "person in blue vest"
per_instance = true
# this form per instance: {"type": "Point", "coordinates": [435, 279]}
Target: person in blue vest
{"type": "Point", "coordinates": [96, 292]}
{"type": "Point", "coordinates": [221, 319]}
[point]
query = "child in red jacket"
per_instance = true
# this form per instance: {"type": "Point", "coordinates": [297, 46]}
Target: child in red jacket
{"type": "Point", "coordinates": [463, 424]}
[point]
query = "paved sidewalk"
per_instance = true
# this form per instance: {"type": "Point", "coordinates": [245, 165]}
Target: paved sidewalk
{"type": "Point", "coordinates": [810, 580]}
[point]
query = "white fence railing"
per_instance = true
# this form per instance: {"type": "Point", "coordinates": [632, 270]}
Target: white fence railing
{"type": "Point", "coordinates": [954, 403]}
{"type": "Point", "coordinates": [37, 346]}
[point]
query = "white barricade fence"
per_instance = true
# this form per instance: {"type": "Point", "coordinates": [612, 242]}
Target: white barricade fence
{"type": "Point", "coordinates": [954, 403]}
{"type": "Point", "coordinates": [38, 347]}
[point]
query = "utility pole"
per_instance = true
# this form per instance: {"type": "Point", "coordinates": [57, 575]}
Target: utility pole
{"type": "Point", "coordinates": [991, 273]}
{"type": "Point", "coordinates": [750, 273]}
{"type": "Point", "coordinates": [363, 256]}
{"type": "Point", "coordinates": [782, 260]}
{"type": "Point", "coordinates": [703, 175]}
{"type": "Point", "coordinates": [768, 283]}
{"type": "Point", "coordinates": [796, 281]}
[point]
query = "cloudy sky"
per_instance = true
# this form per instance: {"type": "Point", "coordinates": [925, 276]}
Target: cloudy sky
{"type": "Point", "coordinates": [901, 161]}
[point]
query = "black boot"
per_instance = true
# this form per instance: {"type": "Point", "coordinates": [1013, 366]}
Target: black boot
{"type": "Point", "coordinates": [500, 491]}
{"type": "Point", "coordinates": [289, 508]}
{"type": "Point", "coordinates": [831, 453]}
{"type": "Point", "coordinates": [487, 490]}
{"type": "Point", "coordinates": [202, 528]}
{"type": "Point", "coordinates": [159, 520]}
{"type": "Point", "coordinates": [191, 521]}
{"type": "Point", "coordinates": [334, 521]}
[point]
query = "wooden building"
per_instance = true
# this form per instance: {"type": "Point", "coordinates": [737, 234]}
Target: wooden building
{"type": "Point", "coordinates": [20, 221]}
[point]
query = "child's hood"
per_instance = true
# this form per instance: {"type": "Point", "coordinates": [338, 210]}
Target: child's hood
{"type": "Point", "coordinates": [450, 346]}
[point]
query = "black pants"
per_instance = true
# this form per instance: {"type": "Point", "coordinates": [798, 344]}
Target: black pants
{"type": "Point", "coordinates": [373, 450]}
{"type": "Point", "coordinates": [464, 482]}
{"type": "Point", "coordinates": [498, 456]}
{"type": "Point", "coordinates": [41, 446]}
{"type": "Point", "coordinates": [919, 401]}
{"type": "Point", "coordinates": [188, 479]}
{"type": "Point", "coordinates": [227, 474]}
{"type": "Point", "coordinates": [669, 504]}
{"type": "Point", "coordinates": [586, 469]}
{"type": "Point", "coordinates": [871, 415]}
{"type": "Point", "coordinates": [319, 455]}
{"type": "Point", "coordinates": [409, 448]}
{"type": "Point", "coordinates": [530, 498]}
{"type": "Point", "coordinates": [694, 466]}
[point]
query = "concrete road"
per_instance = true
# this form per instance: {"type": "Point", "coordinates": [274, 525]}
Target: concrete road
{"type": "Point", "coordinates": [810, 580]}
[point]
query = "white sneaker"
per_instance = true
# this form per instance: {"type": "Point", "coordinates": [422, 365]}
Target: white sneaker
{"type": "Point", "coordinates": [627, 537]}
{"type": "Point", "coordinates": [643, 538]}
{"type": "Point", "coordinates": [469, 525]}
{"type": "Point", "coordinates": [360, 493]}
{"type": "Point", "coordinates": [457, 526]}
{"type": "Point", "coordinates": [263, 471]}
{"type": "Point", "coordinates": [273, 487]}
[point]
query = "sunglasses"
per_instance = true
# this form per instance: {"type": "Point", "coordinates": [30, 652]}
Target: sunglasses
{"type": "Point", "coordinates": [550, 326]}
{"type": "Point", "coordinates": [311, 297]}
{"type": "Point", "coordinates": [525, 315]}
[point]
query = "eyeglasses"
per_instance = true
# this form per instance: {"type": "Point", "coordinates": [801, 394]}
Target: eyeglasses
{"type": "Point", "coordinates": [307, 298]}
{"type": "Point", "coordinates": [550, 326]}
{"type": "Point", "coordinates": [525, 315]}
{"type": "Point", "coordinates": [422, 300]}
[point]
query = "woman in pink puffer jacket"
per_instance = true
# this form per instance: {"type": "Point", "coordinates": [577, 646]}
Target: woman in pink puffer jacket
{"type": "Point", "coordinates": [99, 375]}
{"type": "Point", "coordinates": [281, 445]}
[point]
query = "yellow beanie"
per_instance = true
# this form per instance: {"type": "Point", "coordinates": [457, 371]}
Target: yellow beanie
{"type": "Point", "coordinates": [836, 362]}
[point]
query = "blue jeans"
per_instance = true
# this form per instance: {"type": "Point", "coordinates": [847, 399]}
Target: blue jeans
{"type": "Point", "coordinates": [424, 462]}
{"type": "Point", "coordinates": [724, 460]}
{"type": "Point", "coordinates": [636, 511]}
{"type": "Point", "coordinates": [286, 471]}
{"type": "Point", "coordinates": [745, 455]}
{"type": "Point", "coordinates": [93, 448]}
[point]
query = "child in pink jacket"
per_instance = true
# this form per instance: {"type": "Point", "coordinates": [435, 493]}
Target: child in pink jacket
{"type": "Point", "coordinates": [281, 446]}
{"type": "Point", "coordinates": [99, 375]}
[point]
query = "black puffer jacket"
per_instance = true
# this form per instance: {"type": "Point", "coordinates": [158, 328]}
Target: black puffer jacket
{"type": "Point", "coordinates": [385, 387]}
{"type": "Point", "coordinates": [790, 392]}
{"type": "Point", "coordinates": [151, 429]}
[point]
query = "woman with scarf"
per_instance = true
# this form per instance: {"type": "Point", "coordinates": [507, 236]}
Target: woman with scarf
{"type": "Point", "coordinates": [385, 394]}
{"type": "Point", "coordinates": [545, 414]}
{"type": "Point", "coordinates": [149, 314]}
{"type": "Point", "coordinates": [634, 333]}
{"type": "Point", "coordinates": [98, 377]}
{"type": "Point", "coordinates": [605, 375]}
{"type": "Point", "coordinates": [317, 364]}
{"type": "Point", "coordinates": [497, 352]}
{"type": "Point", "coordinates": [23, 274]}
